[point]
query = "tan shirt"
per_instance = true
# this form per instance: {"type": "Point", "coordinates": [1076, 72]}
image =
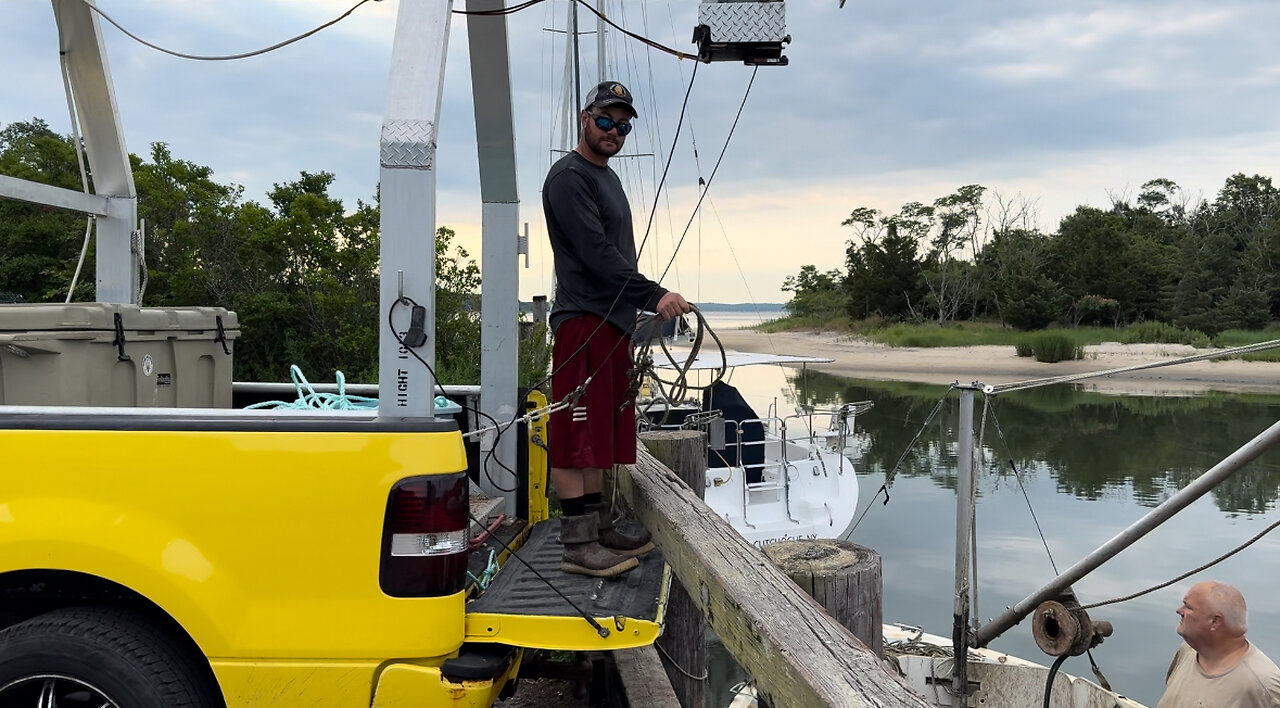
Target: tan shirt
{"type": "Point", "coordinates": [1254, 682]}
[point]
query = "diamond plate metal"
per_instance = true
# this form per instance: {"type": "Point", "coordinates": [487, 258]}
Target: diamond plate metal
{"type": "Point", "coordinates": [408, 144]}
{"type": "Point", "coordinates": [744, 21]}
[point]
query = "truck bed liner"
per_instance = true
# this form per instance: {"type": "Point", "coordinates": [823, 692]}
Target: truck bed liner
{"type": "Point", "coordinates": [516, 590]}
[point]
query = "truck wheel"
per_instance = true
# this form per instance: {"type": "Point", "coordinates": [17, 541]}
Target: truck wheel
{"type": "Point", "coordinates": [99, 657]}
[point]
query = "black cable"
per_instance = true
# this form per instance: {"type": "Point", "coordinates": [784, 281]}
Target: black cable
{"type": "Point", "coordinates": [680, 386]}
{"type": "Point", "coordinates": [1018, 476]}
{"type": "Point", "coordinates": [643, 40]}
{"type": "Point", "coordinates": [501, 11]}
{"type": "Point", "coordinates": [602, 631]}
{"type": "Point", "coordinates": [888, 478]}
{"type": "Point", "coordinates": [1189, 573]}
{"type": "Point", "coordinates": [1048, 684]}
{"type": "Point", "coordinates": [667, 168]}
{"type": "Point", "coordinates": [490, 457]}
{"type": "Point", "coordinates": [707, 186]}
{"type": "Point", "coordinates": [478, 13]}
{"type": "Point", "coordinates": [226, 57]}
{"type": "Point", "coordinates": [1097, 671]}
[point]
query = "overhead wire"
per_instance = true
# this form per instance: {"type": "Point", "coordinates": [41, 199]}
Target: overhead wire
{"type": "Point", "coordinates": [888, 477]}
{"type": "Point", "coordinates": [643, 40]}
{"type": "Point", "coordinates": [228, 57]}
{"type": "Point", "coordinates": [746, 94]}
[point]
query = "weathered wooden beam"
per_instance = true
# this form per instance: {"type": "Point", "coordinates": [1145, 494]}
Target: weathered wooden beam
{"type": "Point", "coordinates": [644, 678]}
{"type": "Point", "coordinates": [683, 641]}
{"type": "Point", "coordinates": [798, 655]}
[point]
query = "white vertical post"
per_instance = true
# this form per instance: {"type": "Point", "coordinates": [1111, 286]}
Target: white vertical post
{"type": "Point", "coordinates": [408, 187]}
{"type": "Point", "coordinates": [80, 40]}
{"type": "Point", "coordinates": [499, 293]}
{"type": "Point", "coordinates": [964, 524]}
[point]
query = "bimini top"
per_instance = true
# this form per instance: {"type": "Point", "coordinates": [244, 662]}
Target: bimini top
{"type": "Point", "coordinates": [711, 360]}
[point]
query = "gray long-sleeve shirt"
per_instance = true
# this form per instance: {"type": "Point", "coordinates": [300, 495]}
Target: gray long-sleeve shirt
{"type": "Point", "coordinates": [589, 222]}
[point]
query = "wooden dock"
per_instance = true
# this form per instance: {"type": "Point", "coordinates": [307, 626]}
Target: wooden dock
{"type": "Point", "coordinates": [797, 653]}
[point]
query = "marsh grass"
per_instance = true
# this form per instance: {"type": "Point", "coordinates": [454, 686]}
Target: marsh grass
{"type": "Point", "coordinates": [1242, 337]}
{"type": "Point", "coordinates": [1049, 347]}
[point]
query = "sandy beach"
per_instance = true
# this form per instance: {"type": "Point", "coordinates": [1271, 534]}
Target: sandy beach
{"type": "Point", "coordinates": [857, 358]}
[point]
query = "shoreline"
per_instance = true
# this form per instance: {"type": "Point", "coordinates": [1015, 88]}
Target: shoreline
{"type": "Point", "coordinates": [862, 359]}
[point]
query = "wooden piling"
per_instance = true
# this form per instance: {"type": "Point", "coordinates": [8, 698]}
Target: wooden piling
{"type": "Point", "coordinates": [843, 577]}
{"type": "Point", "coordinates": [682, 644]}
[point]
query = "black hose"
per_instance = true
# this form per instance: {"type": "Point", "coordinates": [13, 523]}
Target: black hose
{"type": "Point", "coordinates": [1048, 685]}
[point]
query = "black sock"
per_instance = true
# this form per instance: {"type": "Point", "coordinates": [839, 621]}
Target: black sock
{"type": "Point", "coordinates": [576, 506]}
{"type": "Point", "coordinates": [593, 498]}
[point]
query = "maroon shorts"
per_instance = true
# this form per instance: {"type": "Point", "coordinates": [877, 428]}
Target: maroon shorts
{"type": "Point", "coordinates": [600, 430]}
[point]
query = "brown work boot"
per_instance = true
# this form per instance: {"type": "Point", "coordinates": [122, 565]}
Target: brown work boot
{"type": "Point", "coordinates": [632, 541]}
{"type": "Point", "coordinates": [583, 553]}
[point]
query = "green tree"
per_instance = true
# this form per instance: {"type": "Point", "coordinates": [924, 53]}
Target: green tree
{"type": "Point", "coordinates": [41, 245]}
{"type": "Point", "coordinates": [1024, 293]}
{"type": "Point", "coordinates": [815, 294]}
{"type": "Point", "coordinates": [300, 271]}
{"type": "Point", "coordinates": [955, 223]}
{"type": "Point", "coordinates": [883, 269]}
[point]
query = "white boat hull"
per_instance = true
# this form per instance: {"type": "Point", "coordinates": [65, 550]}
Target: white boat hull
{"type": "Point", "coordinates": [1003, 681]}
{"type": "Point", "coordinates": [817, 500]}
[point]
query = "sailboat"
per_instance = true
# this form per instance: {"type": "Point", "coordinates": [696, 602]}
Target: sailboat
{"type": "Point", "coordinates": [776, 477]}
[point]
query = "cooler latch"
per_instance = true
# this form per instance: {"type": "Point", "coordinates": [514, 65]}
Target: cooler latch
{"type": "Point", "coordinates": [221, 337]}
{"type": "Point", "coordinates": [119, 340]}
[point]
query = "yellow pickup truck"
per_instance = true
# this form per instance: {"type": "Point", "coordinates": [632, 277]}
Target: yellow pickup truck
{"type": "Point", "coordinates": [186, 557]}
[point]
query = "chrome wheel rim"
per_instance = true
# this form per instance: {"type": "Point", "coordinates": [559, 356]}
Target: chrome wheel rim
{"type": "Point", "coordinates": [54, 691]}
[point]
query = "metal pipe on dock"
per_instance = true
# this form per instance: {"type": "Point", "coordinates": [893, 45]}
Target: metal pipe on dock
{"type": "Point", "coordinates": [1198, 488]}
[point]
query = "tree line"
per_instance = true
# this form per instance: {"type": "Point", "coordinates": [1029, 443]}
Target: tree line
{"type": "Point", "coordinates": [1206, 265]}
{"type": "Point", "coordinates": [300, 270]}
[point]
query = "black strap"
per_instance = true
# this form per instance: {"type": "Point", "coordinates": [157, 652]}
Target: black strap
{"type": "Point", "coordinates": [119, 340]}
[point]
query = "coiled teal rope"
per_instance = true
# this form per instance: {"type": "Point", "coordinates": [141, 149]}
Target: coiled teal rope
{"type": "Point", "coordinates": [309, 398]}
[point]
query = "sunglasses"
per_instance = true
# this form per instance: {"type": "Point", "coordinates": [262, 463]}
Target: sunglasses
{"type": "Point", "coordinates": [607, 124]}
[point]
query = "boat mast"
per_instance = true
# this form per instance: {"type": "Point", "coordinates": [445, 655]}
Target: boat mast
{"type": "Point", "coordinates": [600, 39]}
{"type": "Point", "coordinates": [577, 72]}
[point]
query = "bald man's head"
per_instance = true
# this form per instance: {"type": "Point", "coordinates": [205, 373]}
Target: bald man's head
{"type": "Point", "coordinates": [1227, 601]}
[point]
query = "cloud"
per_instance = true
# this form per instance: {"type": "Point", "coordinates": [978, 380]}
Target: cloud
{"type": "Point", "coordinates": [882, 103]}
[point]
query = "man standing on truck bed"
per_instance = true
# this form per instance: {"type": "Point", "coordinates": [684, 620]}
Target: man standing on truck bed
{"type": "Point", "coordinates": [598, 290]}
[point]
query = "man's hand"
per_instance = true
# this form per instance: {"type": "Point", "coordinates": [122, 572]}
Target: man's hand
{"type": "Point", "coordinates": [673, 305]}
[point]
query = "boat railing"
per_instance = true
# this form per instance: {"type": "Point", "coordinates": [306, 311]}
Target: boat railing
{"type": "Point", "coordinates": [799, 436]}
{"type": "Point", "coordinates": [781, 468]}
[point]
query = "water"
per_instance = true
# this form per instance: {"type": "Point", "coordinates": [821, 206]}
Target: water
{"type": "Point", "coordinates": [1091, 465]}
{"type": "Point", "coordinates": [740, 319]}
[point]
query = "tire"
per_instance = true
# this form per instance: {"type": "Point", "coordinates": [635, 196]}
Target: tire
{"type": "Point", "coordinates": [97, 656]}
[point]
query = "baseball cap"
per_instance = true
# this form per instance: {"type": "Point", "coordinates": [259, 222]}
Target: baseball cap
{"type": "Point", "coordinates": [611, 93]}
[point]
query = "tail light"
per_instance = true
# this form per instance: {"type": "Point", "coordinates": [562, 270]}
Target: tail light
{"type": "Point", "coordinates": [424, 537]}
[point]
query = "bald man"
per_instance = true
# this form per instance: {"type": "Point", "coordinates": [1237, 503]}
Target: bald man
{"type": "Point", "coordinates": [1216, 665]}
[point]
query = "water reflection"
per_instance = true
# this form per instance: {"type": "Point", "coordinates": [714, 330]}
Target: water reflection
{"type": "Point", "coordinates": [1092, 444]}
{"type": "Point", "coordinates": [1092, 464]}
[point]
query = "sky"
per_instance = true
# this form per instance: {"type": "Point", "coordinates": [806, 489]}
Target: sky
{"type": "Point", "coordinates": [883, 103]}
